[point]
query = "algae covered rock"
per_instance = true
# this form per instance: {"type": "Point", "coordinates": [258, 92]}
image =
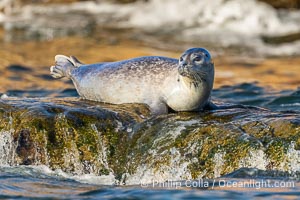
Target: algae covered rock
{"type": "Point", "coordinates": [211, 144]}
{"type": "Point", "coordinates": [75, 136]}
{"type": "Point", "coordinates": [127, 143]}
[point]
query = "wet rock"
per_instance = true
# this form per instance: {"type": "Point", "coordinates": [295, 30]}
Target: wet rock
{"type": "Point", "coordinates": [82, 137]}
{"type": "Point", "coordinates": [287, 4]}
{"type": "Point", "coordinates": [275, 40]}
{"type": "Point", "coordinates": [25, 147]}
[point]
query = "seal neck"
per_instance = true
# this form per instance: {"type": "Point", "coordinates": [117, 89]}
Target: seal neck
{"type": "Point", "coordinates": [195, 85]}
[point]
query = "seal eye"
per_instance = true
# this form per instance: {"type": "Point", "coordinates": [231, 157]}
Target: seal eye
{"type": "Point", "coordinates": [180, 59]}
{"type": "Point", "coordinates": [198, 58]}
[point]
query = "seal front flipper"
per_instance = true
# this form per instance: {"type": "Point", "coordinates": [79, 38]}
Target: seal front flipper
{"type": "Point", "coordinates": [210, 106]}
{"type": "Point", "coordinates": [63, 66]}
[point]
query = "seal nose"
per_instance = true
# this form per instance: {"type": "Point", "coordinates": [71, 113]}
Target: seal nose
{"type": "Point", "coordinates": [183, 64]}
{"type": "Point", "coordinates": [183, 68]}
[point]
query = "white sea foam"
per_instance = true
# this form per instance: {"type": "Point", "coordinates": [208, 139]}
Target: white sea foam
{"type": "Point", "coordinates": [255, 159]}
{"type": "Point", "coordinates": [6, 147]}
{"type": "Point", "coordinates": [246, 17]}
{"type": "Point", "coordinates": [219, 161]}
{"type": "Point", "coordinates": [290, 104]}
{"type": "Point", "coordinates": [227, 23]}
{"type": "Point", "coordinates": [293, 159]}
{"type": "Point", "coordinates": [223, 23]}
{"type": "Point", "coordinates": [43, 170]}
{"type": "Point", "coordinates": [233, 22]}
{"type": "Point", "coordinates": [2, 18]}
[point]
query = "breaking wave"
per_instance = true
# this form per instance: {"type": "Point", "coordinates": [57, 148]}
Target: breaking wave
{"type": "Point", "coordinates": [224, 23]}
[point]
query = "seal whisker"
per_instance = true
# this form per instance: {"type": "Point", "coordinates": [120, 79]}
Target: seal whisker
{"type": "Point", "coordinates": [202, 76]}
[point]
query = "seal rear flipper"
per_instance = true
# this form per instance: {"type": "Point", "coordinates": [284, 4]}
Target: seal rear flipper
{"type": "Point", "coordinates": [63, 66]}
{"type": "Point", "coordinates": [75, 61]}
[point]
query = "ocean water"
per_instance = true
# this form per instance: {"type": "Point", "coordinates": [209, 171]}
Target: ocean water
{"type": "Point", "coordinates": [30, 182]}
{"type": "Point", "coordinates": [252, 94]}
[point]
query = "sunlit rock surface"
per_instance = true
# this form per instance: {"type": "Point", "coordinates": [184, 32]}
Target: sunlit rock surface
{"type": "Point", "coordinates": [128, 145]}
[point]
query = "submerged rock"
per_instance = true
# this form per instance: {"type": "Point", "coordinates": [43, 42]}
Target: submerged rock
{"type": "Point", "coordinates": [127, 143]}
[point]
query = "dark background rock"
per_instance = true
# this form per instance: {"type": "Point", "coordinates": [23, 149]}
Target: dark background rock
{"type": "Point", "coordinates": [286, 4]}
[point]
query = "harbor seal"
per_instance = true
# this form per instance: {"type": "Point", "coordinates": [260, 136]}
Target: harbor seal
{"type": "Point", "coordinates": [159, 82]}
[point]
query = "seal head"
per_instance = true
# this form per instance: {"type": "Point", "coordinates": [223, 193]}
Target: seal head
{"type": "Point", "coordinates": [196, 64]}
{"type": "Point", "coordinates": [196, 77]}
